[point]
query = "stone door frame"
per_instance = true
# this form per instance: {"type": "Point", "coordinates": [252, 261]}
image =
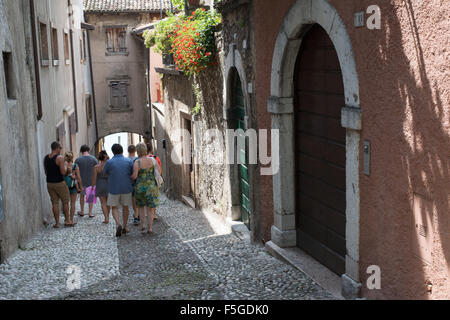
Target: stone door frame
{"type": "Point", "coordinates": [296, 23]}
{"type": "Point", "coordinates": [235, 64]}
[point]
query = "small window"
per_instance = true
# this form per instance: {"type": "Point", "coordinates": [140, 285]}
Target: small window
{"type": "Point", "coordinates": [116, 40]}
{"type": "Point", "coordinates": [84, 46]}
{"type": "Point", "coordinates": [81, 51]}
{"type": "Point", "coordinates": [9, 76]}
{"type": "Point", "coordinates": [44, 44]}
{"type": "Point", "coordinates": [89, 113]}
{"type": "Point", "coordinates": [2, 214]}
{"type": "Point", "coordinates": [66, 48]}
{"type": "Point", "coordinates": [119, 93]}
{"type": "Point", "coordinates": [55, 48]}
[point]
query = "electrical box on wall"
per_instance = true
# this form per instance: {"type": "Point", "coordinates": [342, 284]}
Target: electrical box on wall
{"type": "Point", "coordinates": [366, 155]}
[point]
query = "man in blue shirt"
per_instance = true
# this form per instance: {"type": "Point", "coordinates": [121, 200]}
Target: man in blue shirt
{"type": "Point", "coordinates": [119, 170]}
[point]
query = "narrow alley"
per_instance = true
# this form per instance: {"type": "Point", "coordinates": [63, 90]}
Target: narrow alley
{"type": "Point", "coordinates": [191, 256]}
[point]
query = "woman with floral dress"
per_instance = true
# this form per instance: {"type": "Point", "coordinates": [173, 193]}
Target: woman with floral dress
{"type": "Point", "coordinates": [147, 192]}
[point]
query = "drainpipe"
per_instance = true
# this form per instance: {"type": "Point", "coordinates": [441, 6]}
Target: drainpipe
{"type": "Point", "coordinates": [72, 57]}
{"type": "Point", "coordinates": [186, 8]}
{"type": "Point", "coordinates": [149, 93]}
{"type": "Point", "coordinates": [92, 84]}
{"type": "Point", "coordinates": [36, 59]}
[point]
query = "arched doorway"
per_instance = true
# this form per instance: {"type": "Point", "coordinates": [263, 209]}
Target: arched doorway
{"type": "Point", "coordinates": [238, 121]}
{"type": "Point", "coordinates": [303, 15]}
{"type": "Point", "coordinates": [320, 148]}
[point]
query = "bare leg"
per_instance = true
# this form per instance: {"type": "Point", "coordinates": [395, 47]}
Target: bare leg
{"type": "Point", "coordinates": [91, 207]}
{"type": "Point", "coordinates": [66, 213]}
{"type": "Point", "coordinates": [81, 204]}
{"type": "Point", "coordinates": [125, 214]}
{"type": "Point", "coordinates": [141, 212]}
{"type": "Point", "coordinates": [73, 202]}
{"type": "Point", "coordinates": [136, 213]}
{"type": "Point", "coordinates": [105, 208]}
{"type": "Point", "coordinates": [55, 208]}
{"type": "Point", "coordinates": [115, 214]}
{"type": "Point", "coordinates": [150, 220]}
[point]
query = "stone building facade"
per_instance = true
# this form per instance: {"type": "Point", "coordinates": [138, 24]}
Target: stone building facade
{"type": "Point", "coordinates": [362, 113]}
{"type": "Point", "coordinates": [205, 179]}
{"type": "Point", "coordinates": [43, 96]}
{"type": "Point", "coordinates": [119, 61]}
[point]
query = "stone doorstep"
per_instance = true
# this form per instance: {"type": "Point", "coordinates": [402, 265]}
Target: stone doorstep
{"type": "Point", "coordinates": [312, 268]}
{"type": "Point", "coordinates": [188, 201]}
{"type": "Point", "coordinates": [240, 230]}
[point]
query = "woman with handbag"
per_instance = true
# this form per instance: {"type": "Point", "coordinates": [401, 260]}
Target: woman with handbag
{"type": "Point", "coordinates": [100, 181]}
{"type": "Point", "coordinates": [74, 183]}
{"type": "Point", "coordinates": [147, 191]}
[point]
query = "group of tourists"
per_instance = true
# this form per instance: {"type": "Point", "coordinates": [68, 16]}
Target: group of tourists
{"type": "Point", "coordinates": [120, 181]}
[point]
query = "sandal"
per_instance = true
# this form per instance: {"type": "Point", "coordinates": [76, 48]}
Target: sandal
{"type": "Point", "coordinates": [91, 216]}
{"type": "Point", "coordinates": [79, 213]}
{"type": "Point", "coordinates": [56, 226]}
{"type": "Point", "coordinates": [105, 222]}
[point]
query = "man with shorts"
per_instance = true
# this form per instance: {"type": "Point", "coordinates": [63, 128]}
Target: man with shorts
{"type": "Point", "coordinates": [55, 170]}
{"type": "Point", "coordinates": [119, 170]}
{"type": "Point", "coordinates": [86, 164]}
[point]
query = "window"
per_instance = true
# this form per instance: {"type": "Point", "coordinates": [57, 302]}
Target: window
{"type": "Point", "coordinates": [89, 113]}
{"type": "Point", "coordinates": [81, 51]}
{"type": "Point", "coordinates": [66, 48]}
{"type": "Point", "coordinates": [84, 46]}
{"type": "Point", "coordinates": [9, 76]}
{"type": "Point", "coordinates": [2, 214]}
{"type": "Point", "coordinates": [116, 40]}
{"type": "Point", "coordinates": [55, 48]}
{"type": "Point", "coordinates": [119, 93]}
{"type": "Point", "coordinates": [44, 44]}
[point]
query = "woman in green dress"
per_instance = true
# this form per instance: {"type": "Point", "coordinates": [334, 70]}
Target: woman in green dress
{"type": "Point", "coordinates": [147, 192]}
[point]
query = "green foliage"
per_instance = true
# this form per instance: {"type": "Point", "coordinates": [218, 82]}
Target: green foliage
{"type": "Point", "coordinates": [160, 35]}
{"type": "Point", "coordinates": [179, 4]}
{"type": "Point", "coordinates": [190, 39]}
{"type": "Point", "coordinates": [193, 46]}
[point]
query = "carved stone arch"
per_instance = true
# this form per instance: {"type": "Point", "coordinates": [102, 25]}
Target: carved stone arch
{"type": "Point", "coordinates": [300, 17]}
{"type": "Point", "coordinates": [234, 66]}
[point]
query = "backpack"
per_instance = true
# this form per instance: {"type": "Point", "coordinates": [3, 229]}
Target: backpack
{"type": "Point", "coordinates": [69, 180]}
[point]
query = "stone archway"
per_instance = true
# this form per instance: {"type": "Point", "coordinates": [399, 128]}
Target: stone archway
{"type": "Point", "coordinates": [234, 69]}
{"type": "Point", "coordinates": [298, 20]}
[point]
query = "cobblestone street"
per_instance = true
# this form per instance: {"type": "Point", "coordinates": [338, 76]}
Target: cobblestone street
{"type": "Point", "coordinates": [191, 256]}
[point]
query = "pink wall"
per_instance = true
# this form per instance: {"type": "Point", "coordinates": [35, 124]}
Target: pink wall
{"type": "Point", "coordinates": [155, 80]}
{"type": "Point", "coordinates": [404, 81]}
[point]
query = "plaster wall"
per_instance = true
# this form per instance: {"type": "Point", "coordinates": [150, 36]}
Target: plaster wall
{"type": "Point", "coordinates": [56, 84]}
{"type": "Point", "coordinates": [403, 75]}
{"type": "Point", "coordinates": [131, 66]}
{"type": "Point", "coordinates": [20, 176]}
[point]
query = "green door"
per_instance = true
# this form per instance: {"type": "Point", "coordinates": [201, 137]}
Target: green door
{"type": "Point", "coordinates": [242, 152]}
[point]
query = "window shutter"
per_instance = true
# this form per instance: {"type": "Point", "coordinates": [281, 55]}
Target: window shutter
{"type": "Point", "coordinates": [109, 43]}
{"type": "Point", "coordinates": [124, 92]}
{"type": "Point", "coordinates": [122, 40]}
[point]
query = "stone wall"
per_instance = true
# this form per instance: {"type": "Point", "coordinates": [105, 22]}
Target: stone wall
{"type": "Point", "coordinates": [215, 181]}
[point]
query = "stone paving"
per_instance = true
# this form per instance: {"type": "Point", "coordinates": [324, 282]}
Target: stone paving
{"type": "Point", "coordinates": [193, 255]}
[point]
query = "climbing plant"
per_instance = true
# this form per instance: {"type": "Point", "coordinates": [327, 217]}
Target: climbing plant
{"type": "Point", "coordinates": [193, 45]}
{"type": "Point", "coordinates": [190, 39]}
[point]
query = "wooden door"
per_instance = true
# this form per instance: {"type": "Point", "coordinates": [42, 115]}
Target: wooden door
{"type": "Point", "coordinates": [242, 153]}
{"type": "Point", "coordinates": [320, 151]}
